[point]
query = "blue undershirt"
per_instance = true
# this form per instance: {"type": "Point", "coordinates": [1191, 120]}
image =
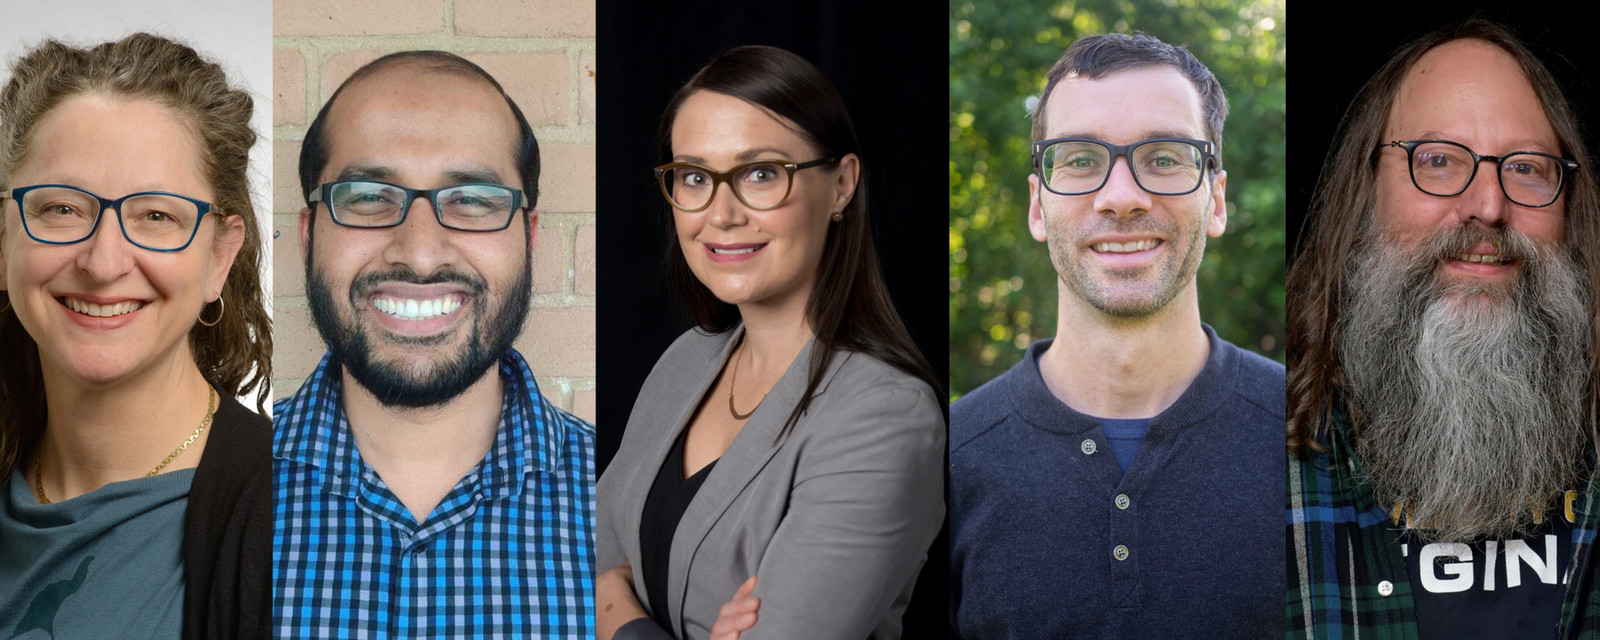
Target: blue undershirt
{"type": "Point", "coordinates": [1124, 436]}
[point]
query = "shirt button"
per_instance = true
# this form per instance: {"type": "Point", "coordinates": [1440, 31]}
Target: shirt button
{"type": "Point", "coordinates": [1385, 588]}
{"type": "Point", "coordinates": [1087, 447]}
{"type": "Point", "coordinates": [1122, 501]}
{"type": "Point", "coordinates": [1120, 553]}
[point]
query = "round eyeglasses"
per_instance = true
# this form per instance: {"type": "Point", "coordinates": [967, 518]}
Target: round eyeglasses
{"type": "Point", "coordinates": [760, 185]}
{"type": "Point", "coordinates": [1162, 166]}
{"type": "Point", "coordinates": [1445, 169]}
{"type": "Point", "coordinates": [153, 220]}
{"type": "Point", "coordinates": [368, 204]}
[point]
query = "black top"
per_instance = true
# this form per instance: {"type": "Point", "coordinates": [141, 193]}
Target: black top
{"type": "Point", "coordinates": [669, 497]}
{"type": "Point", "coordinates": [227, 530]}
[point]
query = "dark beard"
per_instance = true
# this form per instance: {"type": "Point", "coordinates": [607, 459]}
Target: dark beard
{"type": "Point", "coordinates": [1468, 397]}
{"type": "Point", "coordinates": [417, 384]}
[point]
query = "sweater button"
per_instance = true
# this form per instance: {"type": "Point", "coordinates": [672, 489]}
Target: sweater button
{"type": "Point", "coordinates": [1120, 553]}
{"type": "Point", "coordinates": [1123, 501]}
{"type": "Point", "coordinates": [1385, 588]}
{"type": "Point", "coordinates": [1087, 447]}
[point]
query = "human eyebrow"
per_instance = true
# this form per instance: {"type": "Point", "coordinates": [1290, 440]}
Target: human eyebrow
{"type": "Point", "coordinates": [366, 172]}
{"type": "Point", "coordinates": [750, 155]}
{"type": "Point", "coordinates": [1147, 135]}
{"type": "Point", "coordinates": [466, 176]}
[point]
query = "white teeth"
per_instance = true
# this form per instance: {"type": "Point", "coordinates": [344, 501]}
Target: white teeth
{"type": "Point", "coordinates": [734, 251]}
{"type": "Point", "coordinates": [1481, 258]}
{"type": "Point", "coordinates": [416, 309]}
{"type": "Point", "coordinates": [1126, 247]}
{"type": "Point", "coordinates": [102, 310]}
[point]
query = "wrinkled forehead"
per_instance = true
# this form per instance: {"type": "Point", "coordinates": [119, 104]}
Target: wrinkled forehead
{"type": "Point", "coordinates": [1473, 92]}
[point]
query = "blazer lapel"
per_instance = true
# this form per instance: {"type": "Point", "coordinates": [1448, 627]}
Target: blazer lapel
{"type": "Point", "coordinates": [674, 405]}
{"type": "Point", "coordinates": [759, 439]}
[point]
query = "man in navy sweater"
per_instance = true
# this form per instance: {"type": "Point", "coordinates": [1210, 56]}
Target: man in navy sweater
{"type": "Point", "coordinates": [1125, 479]}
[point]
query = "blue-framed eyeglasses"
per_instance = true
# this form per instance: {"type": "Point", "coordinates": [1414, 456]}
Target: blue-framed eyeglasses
{"type": "Point", "coordinates": [64, 214]}
{"type": "Point", "coordinates": [369, 204]}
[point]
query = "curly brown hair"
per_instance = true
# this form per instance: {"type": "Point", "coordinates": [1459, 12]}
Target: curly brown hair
{"type": "Point", "coordinates": [236, 353]}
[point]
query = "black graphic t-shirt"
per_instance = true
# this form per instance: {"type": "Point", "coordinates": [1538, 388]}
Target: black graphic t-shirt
{"type": "Point", "coordinates": [1503, 589]}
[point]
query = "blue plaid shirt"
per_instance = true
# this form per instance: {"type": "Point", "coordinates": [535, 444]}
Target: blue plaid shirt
{"type": "Point", "coordinates": [508, 553]}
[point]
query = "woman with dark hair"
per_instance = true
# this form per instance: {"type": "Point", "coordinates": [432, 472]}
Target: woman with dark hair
{"type": "Point", "coordinates": [790, 448]}
{"type": "Point", "coordinates": [136, 489]}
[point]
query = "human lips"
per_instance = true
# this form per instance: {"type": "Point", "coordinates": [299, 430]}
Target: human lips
{"type": "Point", "coordinates": [100, 307]}
{"type": "Point", "coordinates": [1132, 246]}
{"type": "Point", "coordinates": [414, 309]}
{"type": "Point", "coordinates": [727, 253]}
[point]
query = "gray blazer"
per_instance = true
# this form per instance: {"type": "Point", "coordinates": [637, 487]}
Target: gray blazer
{"type": "Point", "coordinates": [835, 518]}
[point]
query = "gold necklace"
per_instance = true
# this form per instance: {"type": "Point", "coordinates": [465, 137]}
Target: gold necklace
{"type": "Point", "coordinates": [211, 410]}
{"type": "Point", "coordinates": [735, 382]}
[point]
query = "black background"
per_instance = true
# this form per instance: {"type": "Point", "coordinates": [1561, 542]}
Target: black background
{"type": "Point", "coordinates": [890, 66]}
{"type": "Point", "coordinates": [1348, 46]}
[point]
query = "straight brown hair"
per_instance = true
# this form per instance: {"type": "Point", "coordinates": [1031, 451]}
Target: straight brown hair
{"type": "Point", "coordinates": [849, 308]}
{"type": "Point", "coordinates": [1345, 192]}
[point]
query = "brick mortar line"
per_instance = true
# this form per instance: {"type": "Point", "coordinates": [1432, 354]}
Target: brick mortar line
{"type": "Point", "coordinates": [442, 42]}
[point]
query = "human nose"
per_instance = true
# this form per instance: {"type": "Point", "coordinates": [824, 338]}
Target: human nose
{"type": "Point", "coordinates": [725, 209]}
{"type": "Point", "coordinates": [1484, 200]}
{"type": "Point", "coordinates": [1121, 196]}
{"type": "Point", "coordinates": [420, 242]}
{"type": "Point", "coordinates": [107, 253]}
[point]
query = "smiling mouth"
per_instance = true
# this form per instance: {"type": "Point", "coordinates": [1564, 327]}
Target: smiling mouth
{"type": "Point", "coordinates": [101, 310]}
{"type": "Point", "coordinates": [1482, 258]}
{"type": "Point", "coordinates": [409, 309]}
{"type": "Point", "coordinates": [735, 252]}
{"type": "Point", "coordinates": [1125, 247]}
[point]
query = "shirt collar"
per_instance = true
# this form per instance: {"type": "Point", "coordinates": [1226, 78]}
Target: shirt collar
{"type": "Point", "coordinates": [312, 429]}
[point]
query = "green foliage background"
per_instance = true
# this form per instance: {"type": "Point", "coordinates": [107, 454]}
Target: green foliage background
{"type": "Point", "coordinates": [1002, 285]}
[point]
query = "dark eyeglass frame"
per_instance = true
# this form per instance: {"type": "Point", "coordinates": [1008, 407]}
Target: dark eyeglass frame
{"type": "Point", "coordinates": [720, 177]}
{"type": "Point", "coordinates": [1568, 167]}
{"type": "Point", "coordinates": [1207, 161]}
{"type": "Point", "coordinates": [324, 193]}
{"type": "Point", "coordinates": [19, 193]}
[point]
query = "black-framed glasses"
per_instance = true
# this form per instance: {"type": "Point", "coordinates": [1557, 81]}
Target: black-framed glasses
{"type": "Point", "coordinates": [64, 214]}
{"type": "Point", "coordinates": [760, 185]}
{"type": "Point", "coordinates": [1445, 169]}
{"type": "Point", "coordinates": [1162, 166]}
{"type": "Point", "coordinates": [369, 204]}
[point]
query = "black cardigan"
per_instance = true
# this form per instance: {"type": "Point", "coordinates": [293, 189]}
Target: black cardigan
{"type": "Point", "coordinates": [227, 530]}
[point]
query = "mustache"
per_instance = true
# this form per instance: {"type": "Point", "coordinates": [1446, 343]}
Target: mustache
{"type": "Point", "coordinates": [365, 283]}
{"type": "Point", "coordinates": [1512, 245]}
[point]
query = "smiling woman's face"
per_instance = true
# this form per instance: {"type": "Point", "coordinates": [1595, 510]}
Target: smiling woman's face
{"type": "Point", "coordinates": [743, 255]}
{"type": "Point", "coordinates": [103, 310]}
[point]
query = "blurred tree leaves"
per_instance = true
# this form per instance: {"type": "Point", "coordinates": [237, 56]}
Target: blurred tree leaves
{"type": "Point", "coordinates": [1002, 285]}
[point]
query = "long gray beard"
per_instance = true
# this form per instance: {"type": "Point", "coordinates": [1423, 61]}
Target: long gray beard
{"type": "Point", "coordinates": [1469, 398]}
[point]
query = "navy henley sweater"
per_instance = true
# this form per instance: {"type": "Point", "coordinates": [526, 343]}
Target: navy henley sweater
{"type": "Point", "coordinates": [1048, 539]}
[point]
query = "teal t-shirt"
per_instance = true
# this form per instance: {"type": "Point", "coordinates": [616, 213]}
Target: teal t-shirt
{"type": "Point", "coordinates": [106, 564]}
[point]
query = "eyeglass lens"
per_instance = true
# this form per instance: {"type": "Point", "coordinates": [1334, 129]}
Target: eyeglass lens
{"type": "Point", "coordinates": [58, 214]}
{"type": "Point", "coordinates": [762, 186]}
{"type": "Point", "coordinates": [1163, 167]}
{"type": "Point", "coordinates": [375, 204]}
{"type": "Point", "coordinates": [1444, 169]}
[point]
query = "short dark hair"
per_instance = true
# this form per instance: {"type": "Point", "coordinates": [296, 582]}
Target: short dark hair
{"type": "Point", "coordinates": [314, 151]}
{"type": "Point", "coordinates": [1096, 57]}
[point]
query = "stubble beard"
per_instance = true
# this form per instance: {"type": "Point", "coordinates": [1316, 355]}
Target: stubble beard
{"type": "Point", "coordinates": [1086, 281]}
{"type": "Point", "coordinates": [1468, 396]}
{"type": "Point", "coordinates": [420, 382]}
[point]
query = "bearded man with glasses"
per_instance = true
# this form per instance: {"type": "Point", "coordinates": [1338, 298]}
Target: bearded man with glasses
{"type": "Point", "coordinates": [1441, 357]}
{"type": "Point", "coordinates": [1121, 481]}
{"type": "Point", "coordinates": [425, 487]}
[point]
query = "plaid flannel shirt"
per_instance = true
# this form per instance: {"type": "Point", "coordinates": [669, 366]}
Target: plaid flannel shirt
{"type": "Point", "coordinates": [1346, 576]}
{"type": "Point", "coordinates": [508, 553]}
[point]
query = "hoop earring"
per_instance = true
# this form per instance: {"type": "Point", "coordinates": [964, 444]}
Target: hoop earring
{"type": "Point", "coordinates": [222, 307]}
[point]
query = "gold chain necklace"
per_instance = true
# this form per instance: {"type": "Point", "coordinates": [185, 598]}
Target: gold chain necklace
{"type": "Point", "coordinates": [211, 410]}
{"type": "Point", "coordinates": [735, 382]}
